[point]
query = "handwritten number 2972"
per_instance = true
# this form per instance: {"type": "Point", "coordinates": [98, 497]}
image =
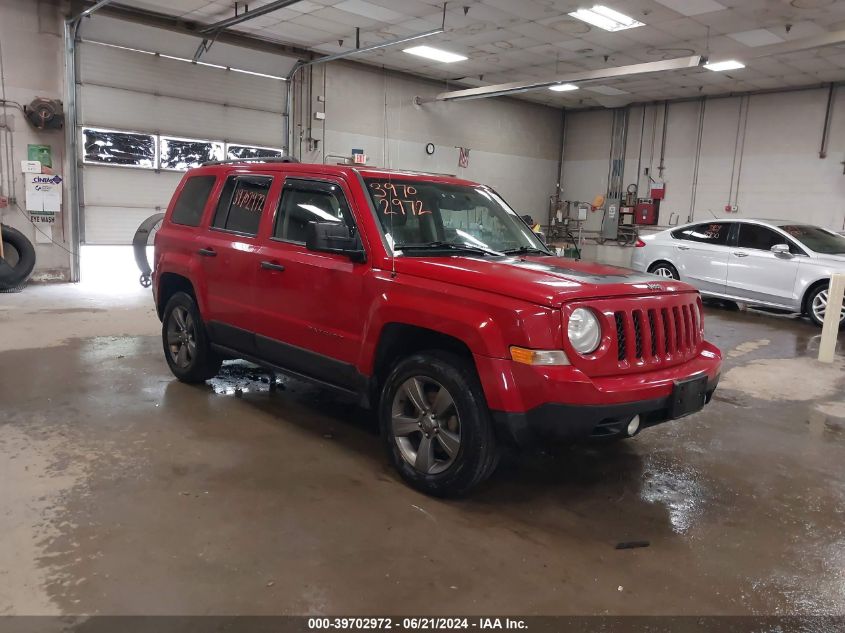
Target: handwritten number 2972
{"type": "Point", "coordinates": [399, 199]}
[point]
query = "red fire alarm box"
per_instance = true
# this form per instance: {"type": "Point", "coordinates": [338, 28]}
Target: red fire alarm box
{"type": "Point", "coordinates": [645, 213]}
{"type": "Point", "coordinates": [658, 190]}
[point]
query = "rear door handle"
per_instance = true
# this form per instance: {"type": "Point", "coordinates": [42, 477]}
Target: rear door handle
{"type": "Point", "coordinates": [207, 252]}
{"type": "Point", "coordinates": [272, 266]}
{"type": "Point", "coordinates": [683, 248]}
{"type": "Point", "coordinates": [740, 254]}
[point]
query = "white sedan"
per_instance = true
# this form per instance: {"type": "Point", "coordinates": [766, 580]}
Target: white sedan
{"type": "Point", "coordinates": [772, 263]}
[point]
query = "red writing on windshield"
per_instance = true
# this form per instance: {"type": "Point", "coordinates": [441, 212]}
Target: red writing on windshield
{"type": "Point", "coordinates": [397, 199]}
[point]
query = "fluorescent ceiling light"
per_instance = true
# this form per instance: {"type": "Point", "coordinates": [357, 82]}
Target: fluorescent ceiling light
{"type": "Point", "coordinates": [435, 53]}
{"type": "Point", "coordinates": [605, 18]}
{"type": "Point", "coordinates": [730, 64]}
{"type": "Point", "coordinates": [563, 87]}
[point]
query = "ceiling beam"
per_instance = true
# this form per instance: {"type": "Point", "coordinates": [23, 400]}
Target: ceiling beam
{"type": "Point", "coordinates": [192, 28]}
{"type": "Point", "coordinates": [499, 90]}
{"type": "Point", "coordinates": [246, 15]}
{"type": "Point", "coordinates": [372, 47]}
{"type": "Point", "coordinates": [211, 31]}
{"type": "Point", "coordinates": [92, 8]}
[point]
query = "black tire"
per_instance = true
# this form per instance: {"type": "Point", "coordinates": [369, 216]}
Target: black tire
{"type": "Point", "coordinates": [19, 261]}
{"type": "Point", "coordinates": [477, 454]}
{"type": "Point", "coordinates": [656, 266]}
{"type": "Point", "coordinates": [810, 305]}
{"type": "Point", "coordinates": [183, 333]}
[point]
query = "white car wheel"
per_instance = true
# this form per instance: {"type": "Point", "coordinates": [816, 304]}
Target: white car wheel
{"type": "Point", "coordinates": [662, 269]}
{"type": "Point", "coordinates": [818, 306]}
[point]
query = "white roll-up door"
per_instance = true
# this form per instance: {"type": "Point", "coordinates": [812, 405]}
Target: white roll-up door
{"type": "Point", "coordinates": [123, 90]}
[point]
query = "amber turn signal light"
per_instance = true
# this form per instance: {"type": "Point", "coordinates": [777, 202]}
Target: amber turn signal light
{"type": "Point", "coordinates": [538, 356]}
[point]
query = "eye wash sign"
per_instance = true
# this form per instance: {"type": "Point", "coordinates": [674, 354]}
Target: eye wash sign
{"type": "Point", "coordinates": [43, 193]}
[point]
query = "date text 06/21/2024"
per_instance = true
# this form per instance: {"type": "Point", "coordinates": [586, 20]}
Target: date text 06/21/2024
{"type": "Point", "coordinates": [411, 623]}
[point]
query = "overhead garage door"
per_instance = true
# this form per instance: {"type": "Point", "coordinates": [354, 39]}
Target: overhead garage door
{"type": "Point", "coordinates": [145, 117]}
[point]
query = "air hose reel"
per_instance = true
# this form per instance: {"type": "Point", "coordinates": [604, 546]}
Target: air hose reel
{"type": "Point", "coordinates": [139, 245]}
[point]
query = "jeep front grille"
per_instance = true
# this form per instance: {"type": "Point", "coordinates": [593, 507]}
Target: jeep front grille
{"type": "Point", "coordinates": [644, 333]}
{"type": "Point", "coordinates": [670, 331]}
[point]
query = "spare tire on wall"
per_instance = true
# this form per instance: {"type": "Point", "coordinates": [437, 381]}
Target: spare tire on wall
{"type": "Point", "coordinates": [18, 258]}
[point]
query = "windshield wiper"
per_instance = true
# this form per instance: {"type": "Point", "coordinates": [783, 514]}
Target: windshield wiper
{"type": "Point", "coordinates": [524, 250]}
{"type": "Point", "coordinates": [466, 248]}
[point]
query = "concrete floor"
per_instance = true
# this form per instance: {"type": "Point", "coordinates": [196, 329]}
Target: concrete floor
{"type": "Point", "coordinates": [123, 491]}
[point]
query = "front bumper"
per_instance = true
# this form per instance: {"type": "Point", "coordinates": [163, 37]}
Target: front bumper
{"type": "Point", "coordinates": [532, 405]}
{"type": "Point", "coordinates": [557, 422]}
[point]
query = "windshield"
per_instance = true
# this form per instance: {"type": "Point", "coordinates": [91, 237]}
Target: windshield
{"type": "Point", "coordinates": [435, 215]}
{"type": "Point", "coordinates": [816, 238]}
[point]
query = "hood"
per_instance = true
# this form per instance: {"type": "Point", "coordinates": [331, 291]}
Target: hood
{"type": "Point", "coordinates": [549, 281]}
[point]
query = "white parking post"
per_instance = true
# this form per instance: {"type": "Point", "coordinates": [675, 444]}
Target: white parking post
{"type": "Point", "coordinates": [830, 329]}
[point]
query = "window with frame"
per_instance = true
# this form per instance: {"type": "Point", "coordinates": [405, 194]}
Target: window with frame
{"type": "Point", "coordinates": [157, 151]}
{"type": "Point", "coordinates": [816, 238]}
{"type": "Point", "coordinates": [715, 233]}
{"type": "Point", "coordinates": [235, 152]}
{"type": "Point", "coordinates": [762, 238]}
{"type": "Point", "coordinates": [242, 203]}
{"type": "Point", "coordinates": [184, 153]}
{"type": "Point", "coordinates": [192, 200]}
{"type": "Point", "coordinates": [304, 202]}
{"type": "Point", "coordinates": [111, 147]}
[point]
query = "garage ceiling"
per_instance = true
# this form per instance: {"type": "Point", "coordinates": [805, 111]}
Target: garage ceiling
{"type": "Point", "coordinates": [513, 40]}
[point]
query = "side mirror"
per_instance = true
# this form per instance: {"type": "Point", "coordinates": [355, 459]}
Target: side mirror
{"type": "Point", "coordinates": [781, 250]}
{"type": "Point", "coordinates": [334, 237]}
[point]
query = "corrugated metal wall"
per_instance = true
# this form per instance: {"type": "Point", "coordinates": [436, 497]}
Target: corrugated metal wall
{"type": "Point", "coordinates": [128, 90]}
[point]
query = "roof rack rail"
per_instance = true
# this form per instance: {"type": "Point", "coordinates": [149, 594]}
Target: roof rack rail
{"type": "Point", "coordinates": [253, 159]}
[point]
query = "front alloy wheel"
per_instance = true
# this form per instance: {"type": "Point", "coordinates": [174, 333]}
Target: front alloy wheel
{"type": "Point", "coordinates": [426, 425]}
{"type": "Point", "coordinates": [435, 423]}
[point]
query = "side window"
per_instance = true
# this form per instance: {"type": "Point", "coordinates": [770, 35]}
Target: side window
{"type": "Point", "coordinates": [303, 202]}
{"type": "Point", "coordinates": [241, 203]}
{"type": "Point", "coordinates": [761, 238]}
{"type": "Point", "coordinates": [191, 203]}
{"type": "Point", "coordinates": [715, 233]}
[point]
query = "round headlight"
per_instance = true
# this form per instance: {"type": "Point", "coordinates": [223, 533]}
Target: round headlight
{"type": "Point", "coordinates": [584, 331]}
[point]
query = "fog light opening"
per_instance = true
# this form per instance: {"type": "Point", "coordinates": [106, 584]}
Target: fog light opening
{"type": "Point", "coordinates": [633, 426]}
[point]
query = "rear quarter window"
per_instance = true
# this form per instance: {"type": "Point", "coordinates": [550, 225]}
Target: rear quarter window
{"type": "Point", "coordinates": [192, 200]}
{"type": "Point", "coordinates": [241, 204]}
{"type": "Point", "coordinates": [708, 233]}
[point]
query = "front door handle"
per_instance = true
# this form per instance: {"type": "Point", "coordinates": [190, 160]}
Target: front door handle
{"type": "Point", "coordinates": [272, 266]}
{"type": "Point", "coordinates": [683, 248]}
{"type": "Point", "coordinates": [207, 252]}
{"type": "Point", "coordinates": [740, 254]}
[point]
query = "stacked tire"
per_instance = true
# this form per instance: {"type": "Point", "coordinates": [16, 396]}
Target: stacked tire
{"type": "Point", "coordinates": [18, 259]}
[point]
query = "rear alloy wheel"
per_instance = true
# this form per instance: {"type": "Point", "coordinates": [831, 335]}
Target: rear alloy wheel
{"type": "Point", "coordinates": [664, 269]}
{"type": "Point", "coordinates": [185, 341]}
{"type": "Point", "coordinates": [436, 425]}
{"type": "Point", "coordinates": [817, 306]}
{"type": "Point", "coordinates": [181, 338]}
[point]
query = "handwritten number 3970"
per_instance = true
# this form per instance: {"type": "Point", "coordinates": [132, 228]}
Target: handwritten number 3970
{"type": "Point", "coordinates": [391, 202]}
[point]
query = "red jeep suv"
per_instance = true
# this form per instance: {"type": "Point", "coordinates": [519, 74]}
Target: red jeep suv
{"type": "Point", "coordinates": [428, 299]}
